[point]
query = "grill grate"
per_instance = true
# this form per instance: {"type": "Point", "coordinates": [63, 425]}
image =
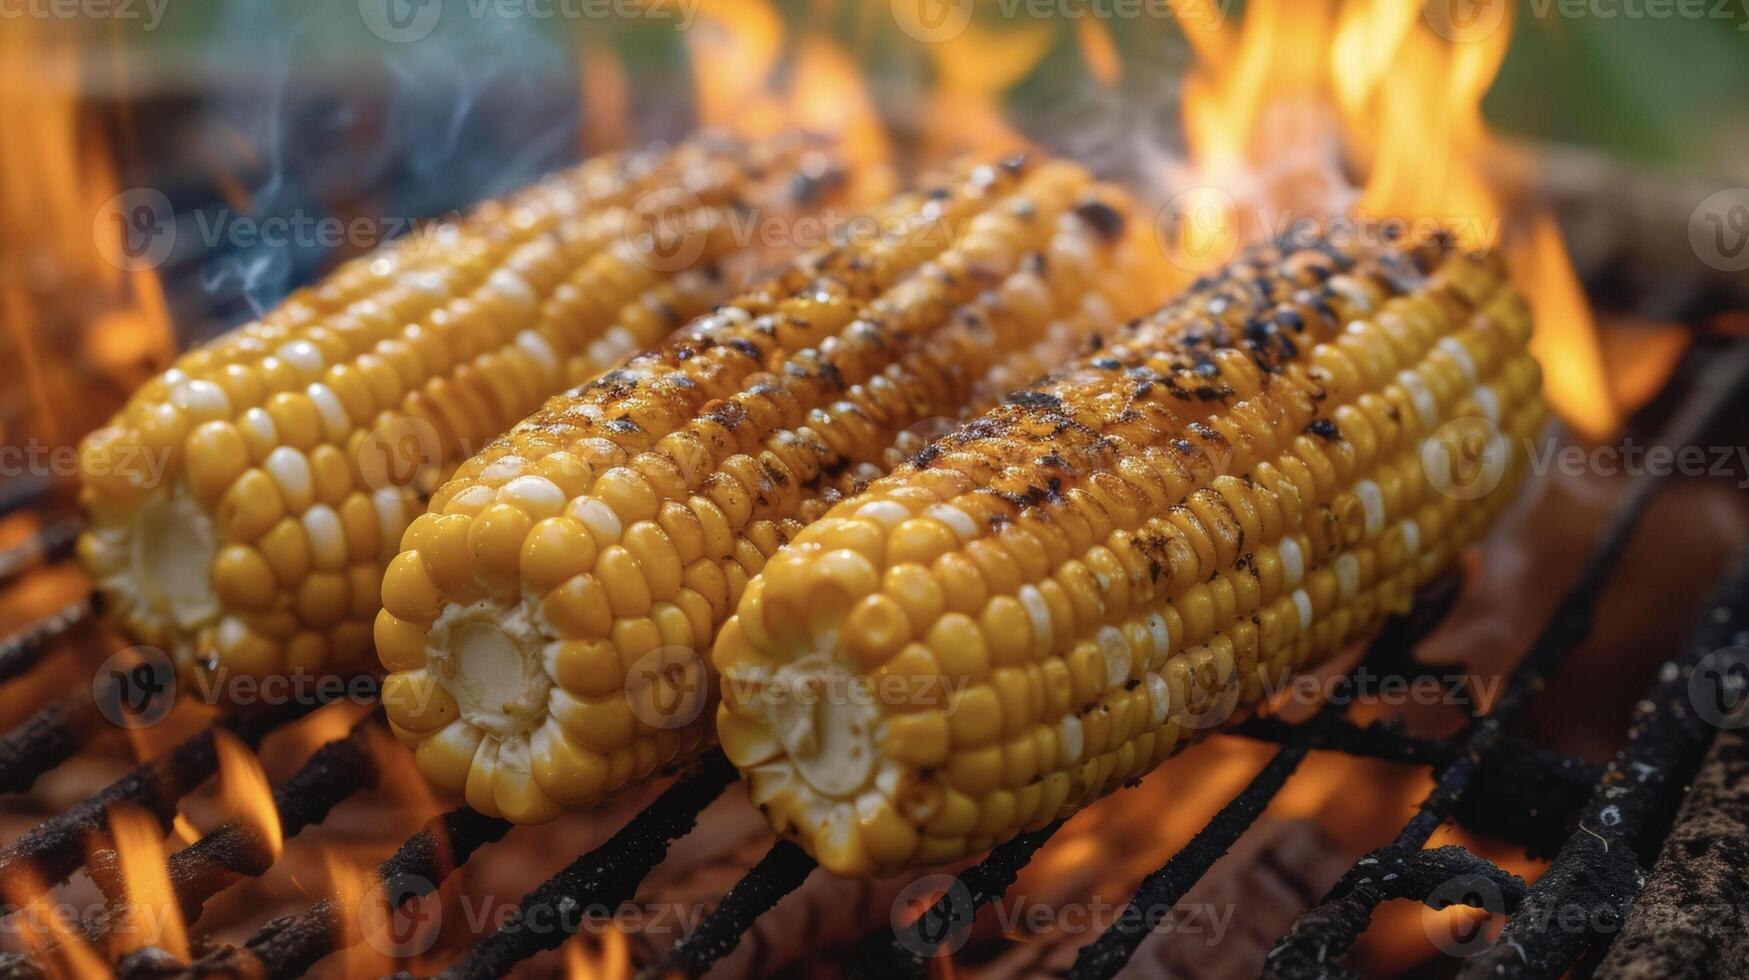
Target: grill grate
{"type": "Point", "coordinates": [1593, 819]}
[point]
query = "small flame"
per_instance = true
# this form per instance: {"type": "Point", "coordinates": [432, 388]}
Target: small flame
{"type": "Point", "coordinates": [1574, 377]}
{"type": "Point", "coordinates": [48, 929]}
{"type": "Point", "coordinates": [973, 69]}
{"type": "Point", "coordinates": [154, 918]}
{"type": "Point", "coordinates": [611, 961]}
{"type": "Point", "coordinates": [246, 792]}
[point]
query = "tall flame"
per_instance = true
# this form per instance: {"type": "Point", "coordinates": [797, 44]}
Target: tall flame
{"type": "Point", "coordinates": [248, 797]}
{"type": "Point", "coordinates": [154, 917]}
{"type": "Point", "coordinates": [1407, 106]}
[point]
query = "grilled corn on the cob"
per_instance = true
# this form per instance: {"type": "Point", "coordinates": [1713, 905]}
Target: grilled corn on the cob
{"type": "Point", "coordinates": [547, 627]}
{"type": "Point", "coordinates": [1063, 593]}
{"type": "Point", "coordinates": [289, 455]}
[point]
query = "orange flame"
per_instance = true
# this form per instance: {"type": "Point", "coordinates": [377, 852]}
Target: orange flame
{"type": "Point", "coordinates": [611, 961]}
{"type": "Point", "coordinates": [154, 918]}
{"type": "Point", "coordinates": [1405, 102]}
{"type": "Point", "coordinates": [48, 931]}
{"type": "Point", "coordinates": [247, 794]}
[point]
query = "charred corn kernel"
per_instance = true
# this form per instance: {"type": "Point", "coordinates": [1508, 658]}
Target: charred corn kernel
{"type": "Point", "coordinates": [576, 637]}
{"type": "Point", "coordinates": [298, 446]}
{"type": "Point", "coordinates": [1239, 485]}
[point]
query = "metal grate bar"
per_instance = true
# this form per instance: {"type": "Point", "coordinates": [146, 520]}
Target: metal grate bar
{"type": "Point", "coordinates": [290, 946]}
{"type": "Point", "coordinates": [781, 871]}
{"type": "Point", "coordinates": [885, 954]}
{"type": "Point", "coordinates": [56, 847]}
{"type": "Point", "coordinates": [52, 543]}
{"type": "Point", "coordinates": [335, 772]}
{"type": "Point", "coordinates": [1327, 931]}
{"type": "Point", "coordinates": [46, 739]}
{"type": "Point", "coordinates": [25, 649]}
{"type": "Point", "coordinates": [1163, 889]}
{"type": "Point", "coordinates": [22, 492]}
{"type": "Point", "coordinates": [600, 879]}
{"type": "Point", "coordinates": [1598, 870]}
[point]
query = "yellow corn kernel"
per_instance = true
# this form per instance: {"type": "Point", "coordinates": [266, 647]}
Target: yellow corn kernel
{"type": "Point", "coordinates": [665, 485]}
{"type": "Point", "coordinates": [310, 435]}
{"type": "Point", "coordinates": [1233, 489]}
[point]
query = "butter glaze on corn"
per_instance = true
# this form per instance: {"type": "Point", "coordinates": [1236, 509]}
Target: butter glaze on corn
{"type": "Point", "coordinates": [612, 532]}
{"type": "Point", "coordinates": [262, 547]}
{"type": "Point", "coordinates": [1063, 593]}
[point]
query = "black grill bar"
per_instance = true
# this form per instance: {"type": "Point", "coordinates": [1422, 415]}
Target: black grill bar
{"type": "Point", "coordinates": [1598, 869]}
{"type": "Point", "coordinates": [289, 946]}
{"type": "Point", "coordinates": [1325, 933]}
{"type": "Point", "coordinates": [56, 847]}
{"type": "Point", "coordinates": [1686, 921]}
{"type": "Point", "coordinates": [25, 649]}
{"type": "Point", "coordinates": [234, 851]}
{"type": "Point", "coordinates": [335, 772]}
{"type": "Point", "coordinates": [884, 953]}
{"type": "Point", "coordinates": [781, 871]}
{"type": "Point", "coordinates": [1163, 889]}
{"type": "Point", "coordinates": [21, 492]}
{"type": "Point", "coordinates": [47, 739]}
{"type": "Point", "coordinates": [601, 880]}
{"type": "Point", "coordinates": [53, 542]}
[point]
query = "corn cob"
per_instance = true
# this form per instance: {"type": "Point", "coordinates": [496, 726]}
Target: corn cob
{"type": "Point", "coordinates": [241, 507]}
{"type": "Point", "coordinates": [546, 627]}
{"type": "Point", "coordinates": [1056, 597]}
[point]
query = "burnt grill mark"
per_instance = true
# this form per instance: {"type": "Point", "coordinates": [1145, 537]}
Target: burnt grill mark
{"type": "Point", "coordinates": [1104, 219]}
{"type": "Point", "coordinates": [1037, 401]}
{"type": "Point", "coordinates": [1324, 429]}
